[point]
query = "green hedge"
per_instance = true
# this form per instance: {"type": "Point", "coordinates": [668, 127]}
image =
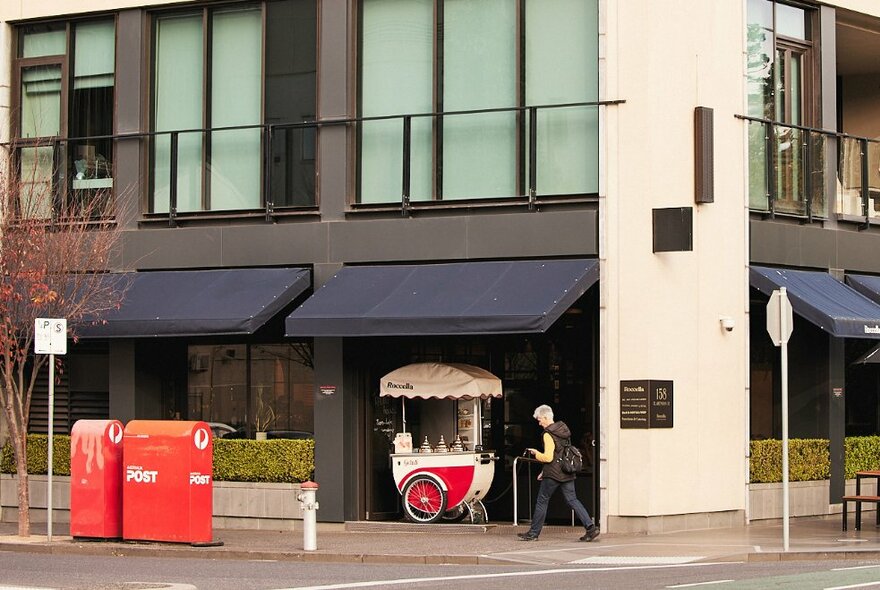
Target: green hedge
{"type": "Point", "coordinates": [277, 460]}
{"type": "Point", "coordinates": [808, 459]}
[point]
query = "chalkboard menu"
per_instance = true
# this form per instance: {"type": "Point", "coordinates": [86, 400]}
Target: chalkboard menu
{"type": "Point", "coordinates": [646, 403]}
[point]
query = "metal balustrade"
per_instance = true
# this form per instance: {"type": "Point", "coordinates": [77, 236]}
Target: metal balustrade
{"type": "Point", "coordinates": [68, 182]}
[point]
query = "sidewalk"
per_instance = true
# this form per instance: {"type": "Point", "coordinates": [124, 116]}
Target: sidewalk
{"type": "Point", "coordinates": [810, 538]}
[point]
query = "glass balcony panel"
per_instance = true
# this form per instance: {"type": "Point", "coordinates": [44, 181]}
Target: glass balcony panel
{"type": "Point", "coordinates": [234, 169]}
{"type": "Point", "coordinates": [292, 167]}
{"type": "Point", "coordinates": [849, 182]}
{"type": "Point", "coordinates": [189, 172]}
{"type": "Point", "coordinates": [758, 199]}
{"type": "Point", "coordinates": [567, 151]}
{"type": "Point", "coordinates": [35, 184]}
{"type": "Point", "coordinates": [790, 169]}
{"type": "Point", "coordinates": [874, 179]}
{"type": "Point", "coordinates": [817, 143]}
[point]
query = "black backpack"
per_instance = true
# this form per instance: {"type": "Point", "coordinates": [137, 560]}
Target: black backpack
{"type": "Point", "coordinates": [570, 459]}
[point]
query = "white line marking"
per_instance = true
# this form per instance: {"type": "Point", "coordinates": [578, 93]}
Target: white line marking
{"type": "Point", "coordinates": [23, 588]}
{"type": "Point", "coordinates": [855, 567]}
{"type": "Point", "coordinates": [635, 560]}
{"type": "Point", "coordinates": [865, 585]}
{"type": "Point", "coordinates": [403, 581]}
{"type": "Point", "coordinates": [700, 584]}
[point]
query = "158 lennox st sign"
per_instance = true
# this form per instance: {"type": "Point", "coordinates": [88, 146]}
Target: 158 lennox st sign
{"type": "Point", "coordinates": [646, 403]}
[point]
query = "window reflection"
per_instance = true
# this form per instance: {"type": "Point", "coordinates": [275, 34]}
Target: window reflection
{"type": "Point", "coordinates": [281, 388]}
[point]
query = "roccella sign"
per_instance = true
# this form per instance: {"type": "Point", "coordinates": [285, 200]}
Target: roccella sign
{"type": "Point", "coordinates": [393, 385]}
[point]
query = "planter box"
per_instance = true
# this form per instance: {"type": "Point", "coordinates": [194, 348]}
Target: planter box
{"type": "Point", "coordinates": [806, 498]}
{"type": "Point", "coordinates": [237, 505]}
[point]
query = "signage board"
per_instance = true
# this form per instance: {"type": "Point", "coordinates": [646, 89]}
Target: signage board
{"type": "Point", "coordinates": [779, 317]}
{"type": "Point", "coordinates": [646, 403]}
{"type": "Point", "coordinates": [50, 336]}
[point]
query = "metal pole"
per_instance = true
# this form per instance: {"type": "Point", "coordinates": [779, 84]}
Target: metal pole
{"type": "Point", "coordinates": [515, 494]}
{"type": "Point", "coordinates": [784, 378]}
{"type": "Point", "coordinates": [51, 428]}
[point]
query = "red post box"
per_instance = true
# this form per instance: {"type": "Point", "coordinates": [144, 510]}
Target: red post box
{"type": "Point", "coordinates": [168, 484]}
{"type": "Point", "coordinates": [96, 479]}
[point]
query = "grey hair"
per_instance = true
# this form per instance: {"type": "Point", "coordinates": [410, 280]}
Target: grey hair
{"type": "Point", "coordinates": [543, 411]}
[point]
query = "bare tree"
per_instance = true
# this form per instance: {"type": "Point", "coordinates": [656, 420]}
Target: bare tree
{"type": "Point", "coordinates": [55, 248]}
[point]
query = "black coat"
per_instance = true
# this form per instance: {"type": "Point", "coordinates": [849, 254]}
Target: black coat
{"type": "Point", "coordinates": [561, 434]}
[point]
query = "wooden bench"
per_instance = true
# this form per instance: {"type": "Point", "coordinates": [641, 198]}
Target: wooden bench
{"type": "Point", "coordinates": [858, 500]}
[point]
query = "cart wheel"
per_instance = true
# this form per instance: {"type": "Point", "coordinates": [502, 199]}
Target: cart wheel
{"type": "Point", "coordinates": [423, 500]}
{"type": "Point", "coordinates": [457, 514]}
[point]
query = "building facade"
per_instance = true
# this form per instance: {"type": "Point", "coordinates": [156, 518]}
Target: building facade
{"type": "Point", "coordinates": [589, 198]}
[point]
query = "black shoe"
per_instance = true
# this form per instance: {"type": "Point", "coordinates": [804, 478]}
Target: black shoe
{"type": "Point", "coordinates": [527, 537]}
{"type": "Point", "coordinates": [591, 534]}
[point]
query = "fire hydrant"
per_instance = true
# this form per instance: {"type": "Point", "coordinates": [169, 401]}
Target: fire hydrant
{"type": "Point", "coordinates": [309, 507]}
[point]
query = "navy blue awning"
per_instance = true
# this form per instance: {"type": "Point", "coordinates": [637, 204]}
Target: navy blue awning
{"type": "Point", "coordinates": [499, 297]}
{"type": "Point", "coordinates": [866, 285]}
{"type": "Point", "coordinates": [198, 302]}
{"type": "Point", "coordinates": [823, 300]}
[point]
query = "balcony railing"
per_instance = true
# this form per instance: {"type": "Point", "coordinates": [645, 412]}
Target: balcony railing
{"type": "Point", "coordinates": [789, 175]}
{"type": "Point", "coordinates": [270, 167]}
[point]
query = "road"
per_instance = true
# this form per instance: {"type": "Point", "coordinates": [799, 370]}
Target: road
{"type": "Point", "coordinates": [78, 572]}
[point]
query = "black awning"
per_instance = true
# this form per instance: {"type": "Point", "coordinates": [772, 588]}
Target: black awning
{"type": "Point", "coordinates": [441, 299]}
{"type": "Point", "coordinates": [198, 302]}
{"type": "Point", "coordinates": [823, 300]}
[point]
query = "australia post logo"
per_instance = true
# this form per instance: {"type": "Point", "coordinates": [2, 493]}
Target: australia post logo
{"type": "Point", "coordinates": [199, 479]}
{"type": "Point", "coordinates": [114, 433]}
{"type": "Point", "coordinates": [200, 439]}
{"type": "Point", "coordinates": [138, 474]}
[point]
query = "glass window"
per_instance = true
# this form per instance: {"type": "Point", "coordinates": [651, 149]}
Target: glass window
{"type": "Point", "coordinates": [219, 84]}
{"type": "Point", "coordinates": [67, 105]}
{"type": "Point", "coordinates": [290, 87]}
{"type": "Point", "coordinates": [397, 45]}
{"type": "Point", "coordinates": [43, 40]}
{"type": "Point", "coordinates": [279, 397]}
{"type": "Point", "coordinates": [778, 77]}
{"type": "Point", "coordinates": [457, 55]}
{"type": "Point", "coordinates": [562, 66]}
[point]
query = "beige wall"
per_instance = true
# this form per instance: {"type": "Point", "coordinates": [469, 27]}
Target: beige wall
{"type": "Point", "coordinates": [11, 10]}
{"type": "Point", "coordinates": [660, 312]}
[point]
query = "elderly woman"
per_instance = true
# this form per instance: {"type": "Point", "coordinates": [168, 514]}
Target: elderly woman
{"type": "Point", "coordinates": [556, 434]}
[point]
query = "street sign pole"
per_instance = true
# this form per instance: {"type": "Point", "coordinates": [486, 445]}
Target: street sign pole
{"type": "Point", "coordinates": [785, 487]}
{"type": "Point", "coordinates": [779, 325]}
{"type": "Point", "coordinates": [50, 337]}
{"type": "Point", "coordinates": [51, 445]}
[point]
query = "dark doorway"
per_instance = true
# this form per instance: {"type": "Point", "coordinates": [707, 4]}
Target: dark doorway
{"type": "Point", "coordinates": [559, 368]}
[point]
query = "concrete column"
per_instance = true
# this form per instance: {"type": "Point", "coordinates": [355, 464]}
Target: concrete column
{"type": "Point", "coordinates": [836, 417]}
{"type": "Point", "coordinates": [122, 380]}
{"type": "Point", "coordinates": [130, 188]}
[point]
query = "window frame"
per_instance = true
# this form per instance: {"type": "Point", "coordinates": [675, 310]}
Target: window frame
{"type": "Point", "coordinates": [61, 186]}
{"type": "Point", "coordinates": [521, 133]}
{"type": "Point", "coordinates": [206, 11]}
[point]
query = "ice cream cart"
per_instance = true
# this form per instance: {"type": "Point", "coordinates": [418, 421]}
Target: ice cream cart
{"type": "Point", "coordinates": [448, 480]}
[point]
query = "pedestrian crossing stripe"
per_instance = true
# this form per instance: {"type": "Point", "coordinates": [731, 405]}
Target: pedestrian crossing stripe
{"type": "Point", "coordinates": [636, 560]}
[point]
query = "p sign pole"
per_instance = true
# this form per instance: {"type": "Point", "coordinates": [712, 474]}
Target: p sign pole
{"type": "Point", "coordinates": [779, 325]}
{"type": "Point", "coordinates": [50, 337]}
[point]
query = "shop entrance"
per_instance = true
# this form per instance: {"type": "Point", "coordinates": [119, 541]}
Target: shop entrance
{"type": "Point", "coordinates": [559, 368]}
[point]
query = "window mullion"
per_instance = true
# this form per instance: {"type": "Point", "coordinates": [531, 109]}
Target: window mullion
{"type": "Point", "coordinates": [206, 108]}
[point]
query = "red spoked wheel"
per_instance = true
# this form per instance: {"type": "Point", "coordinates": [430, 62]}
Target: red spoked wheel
{"type": "Point", "coordinates": [423, 500]}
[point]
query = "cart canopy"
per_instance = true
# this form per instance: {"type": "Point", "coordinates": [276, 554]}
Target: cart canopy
{"type": "Point", "coordinates": [440, 381]}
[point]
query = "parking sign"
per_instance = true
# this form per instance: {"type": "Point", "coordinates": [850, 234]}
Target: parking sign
{"type": "Point", "coordinates": [50, 336]}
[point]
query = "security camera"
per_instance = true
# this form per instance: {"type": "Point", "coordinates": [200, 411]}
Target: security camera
{"type": "Point", "coordinates": [727, 323]}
